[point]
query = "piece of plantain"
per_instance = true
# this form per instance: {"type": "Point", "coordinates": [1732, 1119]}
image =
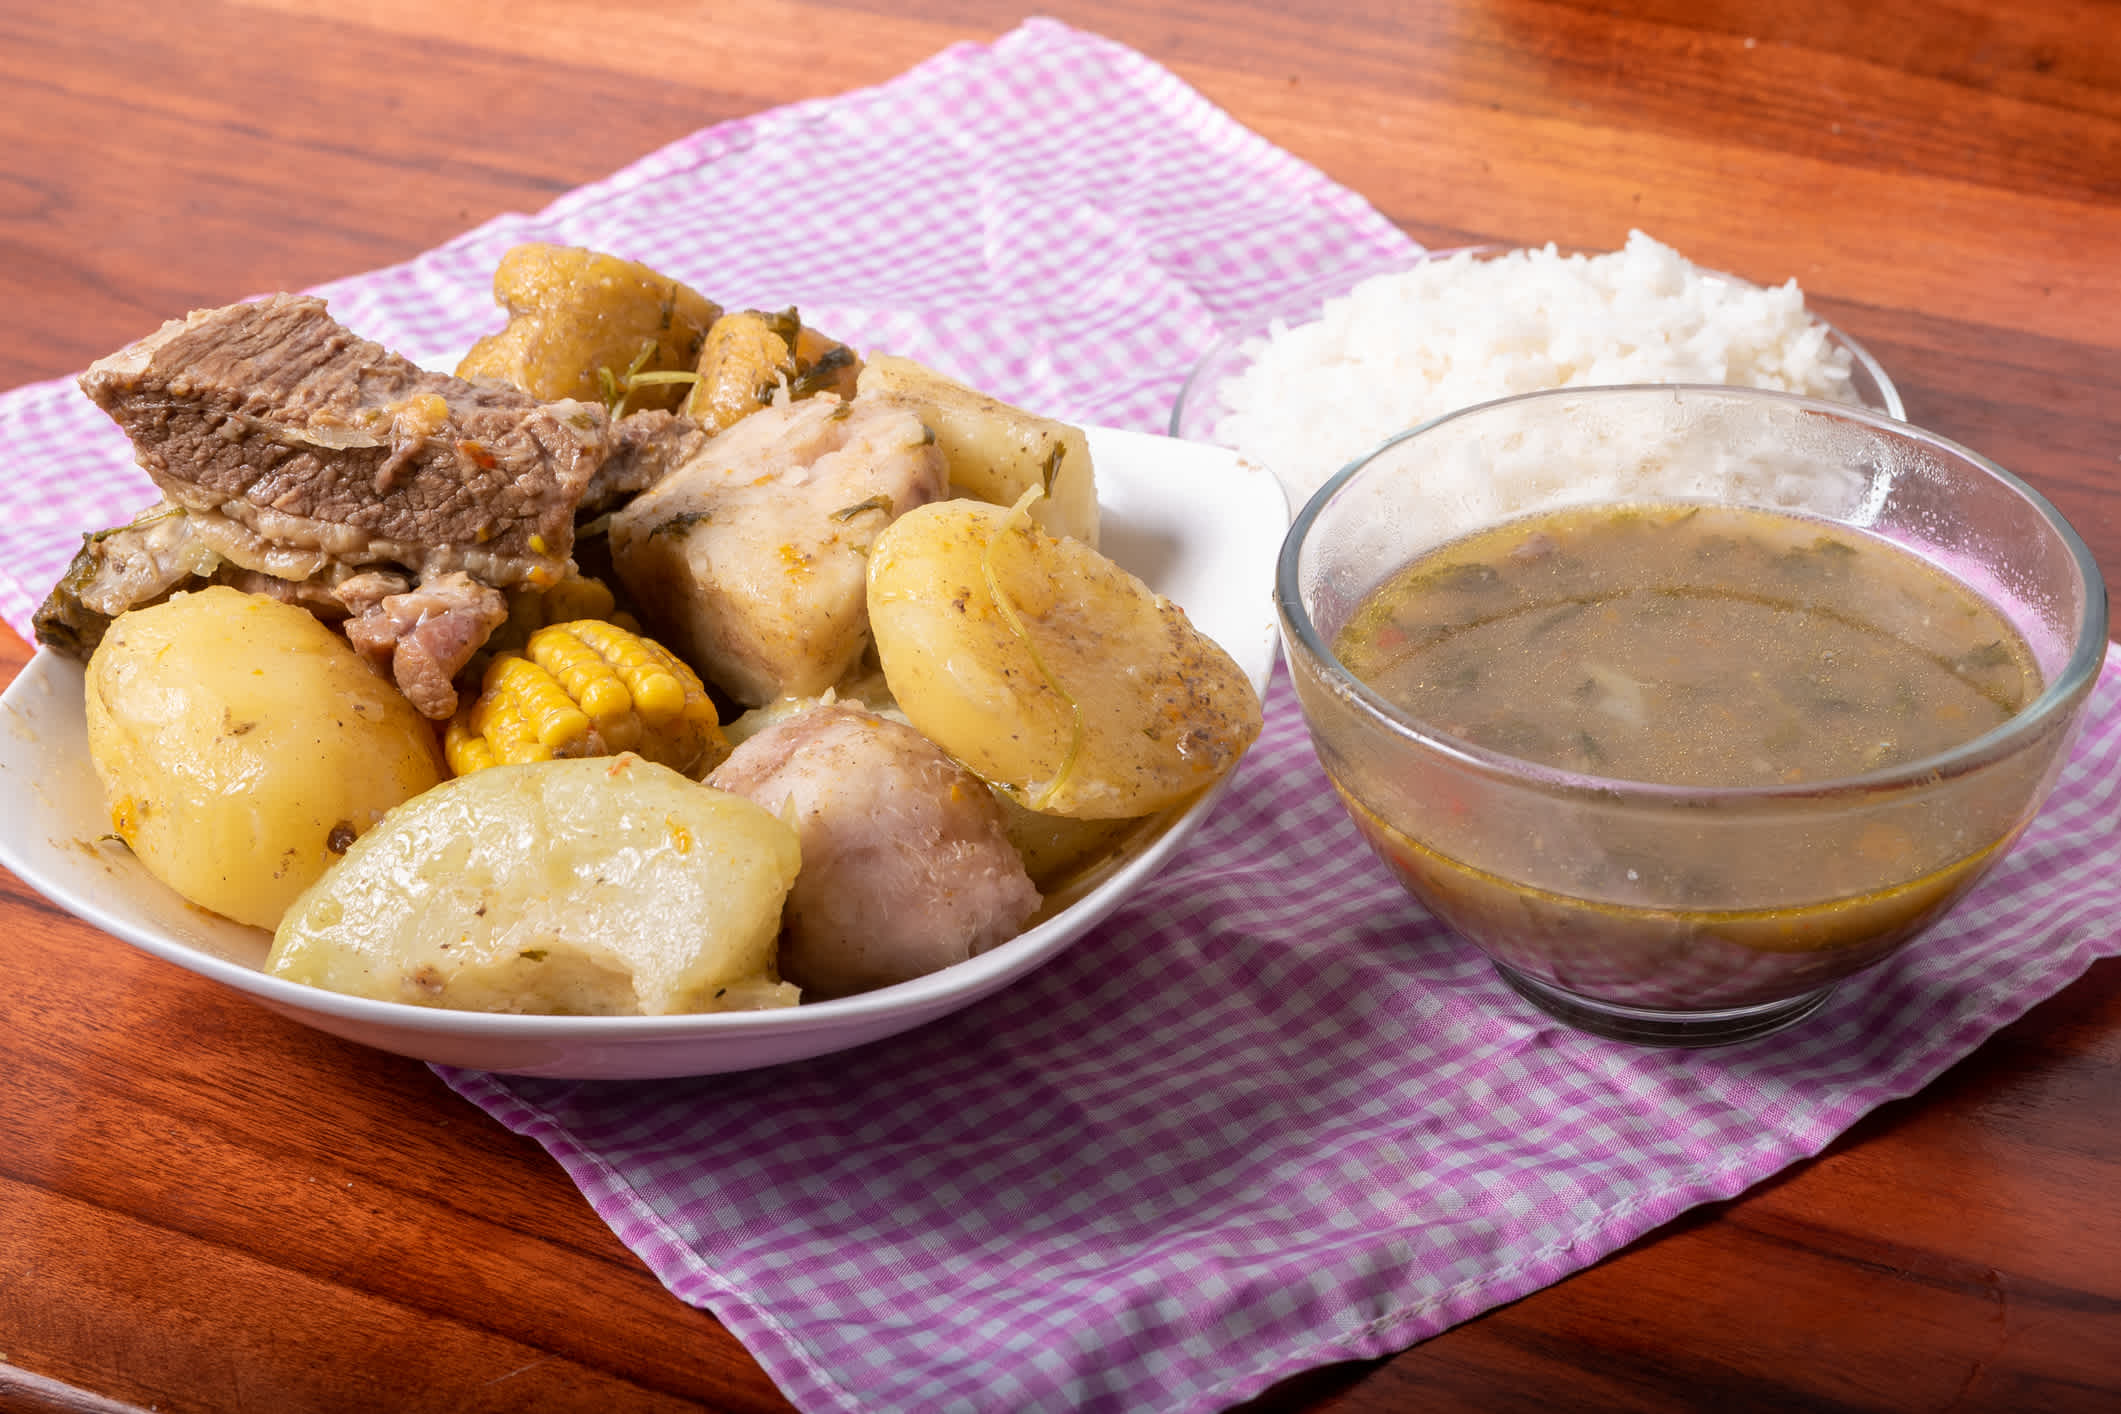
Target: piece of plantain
{"type": "Point", "coordinates": [582, 323]}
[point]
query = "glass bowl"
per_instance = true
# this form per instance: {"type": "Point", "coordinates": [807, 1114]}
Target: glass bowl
{"type": "Point", "coordinates": [1684, 914]}
{"type": "Point", "coordinates": [1200, 412]}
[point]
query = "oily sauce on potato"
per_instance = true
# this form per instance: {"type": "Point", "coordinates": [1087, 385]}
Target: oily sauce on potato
{"type": "Point", "coordinates": [1690, 645]}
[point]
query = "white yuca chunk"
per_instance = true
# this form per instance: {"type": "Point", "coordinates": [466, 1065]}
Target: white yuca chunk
{"type": "Point", "coordinates": [242, 746]}
{"type": "Point", "coordinates": [598, 886]}
{"type": "Point", "coordinates": [1081, 692]}
{"type": "Point", "coordinates": [748, 559]}
{"type": "Point", "coordinates": [995, 451]}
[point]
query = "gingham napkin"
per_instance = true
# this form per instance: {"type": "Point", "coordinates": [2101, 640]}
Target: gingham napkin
{"type": "Point", "coordinates": [1270, 1115]}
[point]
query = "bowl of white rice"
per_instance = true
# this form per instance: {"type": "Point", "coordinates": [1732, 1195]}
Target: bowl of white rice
{"type": "Point", "coordinates": [1312, 388]}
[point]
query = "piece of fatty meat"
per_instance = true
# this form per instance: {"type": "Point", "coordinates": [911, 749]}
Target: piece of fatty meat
{"type": "Point", "coordinates": [295, 445]}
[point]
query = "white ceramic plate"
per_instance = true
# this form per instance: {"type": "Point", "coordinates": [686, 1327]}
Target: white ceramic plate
{"type": "Point", "coordinates": [1195, 522]}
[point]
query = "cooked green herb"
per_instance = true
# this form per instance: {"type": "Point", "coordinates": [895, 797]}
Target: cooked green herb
{"type": "Point", "coordinates": [874, 503]}
{"type": "Point", "coordinates": [682, 522]}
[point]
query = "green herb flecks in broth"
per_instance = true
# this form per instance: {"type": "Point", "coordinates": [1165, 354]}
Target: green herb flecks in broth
{"type": "Point", "coordinates": [1690, 645]}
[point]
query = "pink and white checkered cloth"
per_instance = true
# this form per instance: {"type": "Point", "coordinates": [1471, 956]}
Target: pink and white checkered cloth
{"type": "Point", "coordinates": [1270, 1115]}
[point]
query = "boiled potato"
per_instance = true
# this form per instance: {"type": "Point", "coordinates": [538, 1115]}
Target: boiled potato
{"type": "Point", "coordinates": [589, 887]}
{"type": "Point", "coordinates": [1106, 703]}
{"type": "Point", "coordinates": [1055, 849]}
{"type": "Point", "coordinates": [576, 317]}
{"type": "Point", "coordinates": [996, 452]}
{"type": "Point", "coordinates": [243, 746]}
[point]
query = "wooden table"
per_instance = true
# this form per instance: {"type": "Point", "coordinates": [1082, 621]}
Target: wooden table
{"type": "Point", "coordinates": [205, 1207]}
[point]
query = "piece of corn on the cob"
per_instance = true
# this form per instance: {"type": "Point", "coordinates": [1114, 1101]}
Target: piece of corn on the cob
{"type": "Point", "coordinates": [576, 596]}
{"type": "Point", "coordinates": [587, 688]}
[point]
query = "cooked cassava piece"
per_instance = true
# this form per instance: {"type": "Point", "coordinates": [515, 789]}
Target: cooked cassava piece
{"type": "Point", "coordinates": [603, 886]}
{"type": "Point", "coordinates": [582, 324]}
{"type": "Point", "coordinates": [749, 560]}
{"type": "Point", "coordinates": [242, 747]}
{"type": "Point", "coordinates": [1048, 669]}
{"type": "Point", "coordinates": [996, 452]}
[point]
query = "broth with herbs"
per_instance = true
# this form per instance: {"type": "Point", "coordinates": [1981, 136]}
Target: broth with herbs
{"type": "Point", "coordinates": [1686, 645]}
{"type": "Point", "coordinates": [1690, 645]}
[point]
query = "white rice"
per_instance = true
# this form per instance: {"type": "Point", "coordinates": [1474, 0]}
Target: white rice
{"type": "Point", "coordinates": [1403, 348]}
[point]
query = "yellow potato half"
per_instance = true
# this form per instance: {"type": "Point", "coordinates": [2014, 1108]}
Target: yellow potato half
{"type": "Point", "coordinates": [243, 746]}
{"type": "Point", "coordinates": [601, 886]}
{"type": "Point", "coordinates": [996, 451]}
{"type": "Point", "coordinates": [1080, 691]}
{"type": "Point", "coordinates": [1055, 849]}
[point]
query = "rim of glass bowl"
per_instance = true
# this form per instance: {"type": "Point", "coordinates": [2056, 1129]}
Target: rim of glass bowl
{"type": "Point", "coordinates": [2068, 685]}
{"type": "Point", "coordinates": [1220, 360]}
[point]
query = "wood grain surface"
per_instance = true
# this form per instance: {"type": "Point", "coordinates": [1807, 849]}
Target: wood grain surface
{"type": "Point", "coordinates": [206, 1207]}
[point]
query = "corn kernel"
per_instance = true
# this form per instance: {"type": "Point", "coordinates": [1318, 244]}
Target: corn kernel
{"type": "Point", "coordinates": [582, 671]}
{"type": "Point", "coordinates": [646, 668]}
{"type": "Point", "coordinates": [464, 751]}
{"type": "Point", "coordinates": [549, 714]}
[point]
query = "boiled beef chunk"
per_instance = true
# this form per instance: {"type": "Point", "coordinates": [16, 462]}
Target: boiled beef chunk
{"type": "Point", "coordinates": [144, 562]}
{"type": "Point", "coordinates": [297, 459]}
{"type": "Point", "coordinates": [423, 635]}
{"type": "Point", "coordinates": [294, 442]}
{"type": "Point", "coordinates": [645, 448]}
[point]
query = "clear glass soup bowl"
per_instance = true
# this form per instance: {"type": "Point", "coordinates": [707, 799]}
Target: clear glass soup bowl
{"type": "Point", "coordinates": [1571, 882]}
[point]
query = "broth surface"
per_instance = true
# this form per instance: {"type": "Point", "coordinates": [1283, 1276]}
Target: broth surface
{"type": "Point", "coordinates": [1690, 645]}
